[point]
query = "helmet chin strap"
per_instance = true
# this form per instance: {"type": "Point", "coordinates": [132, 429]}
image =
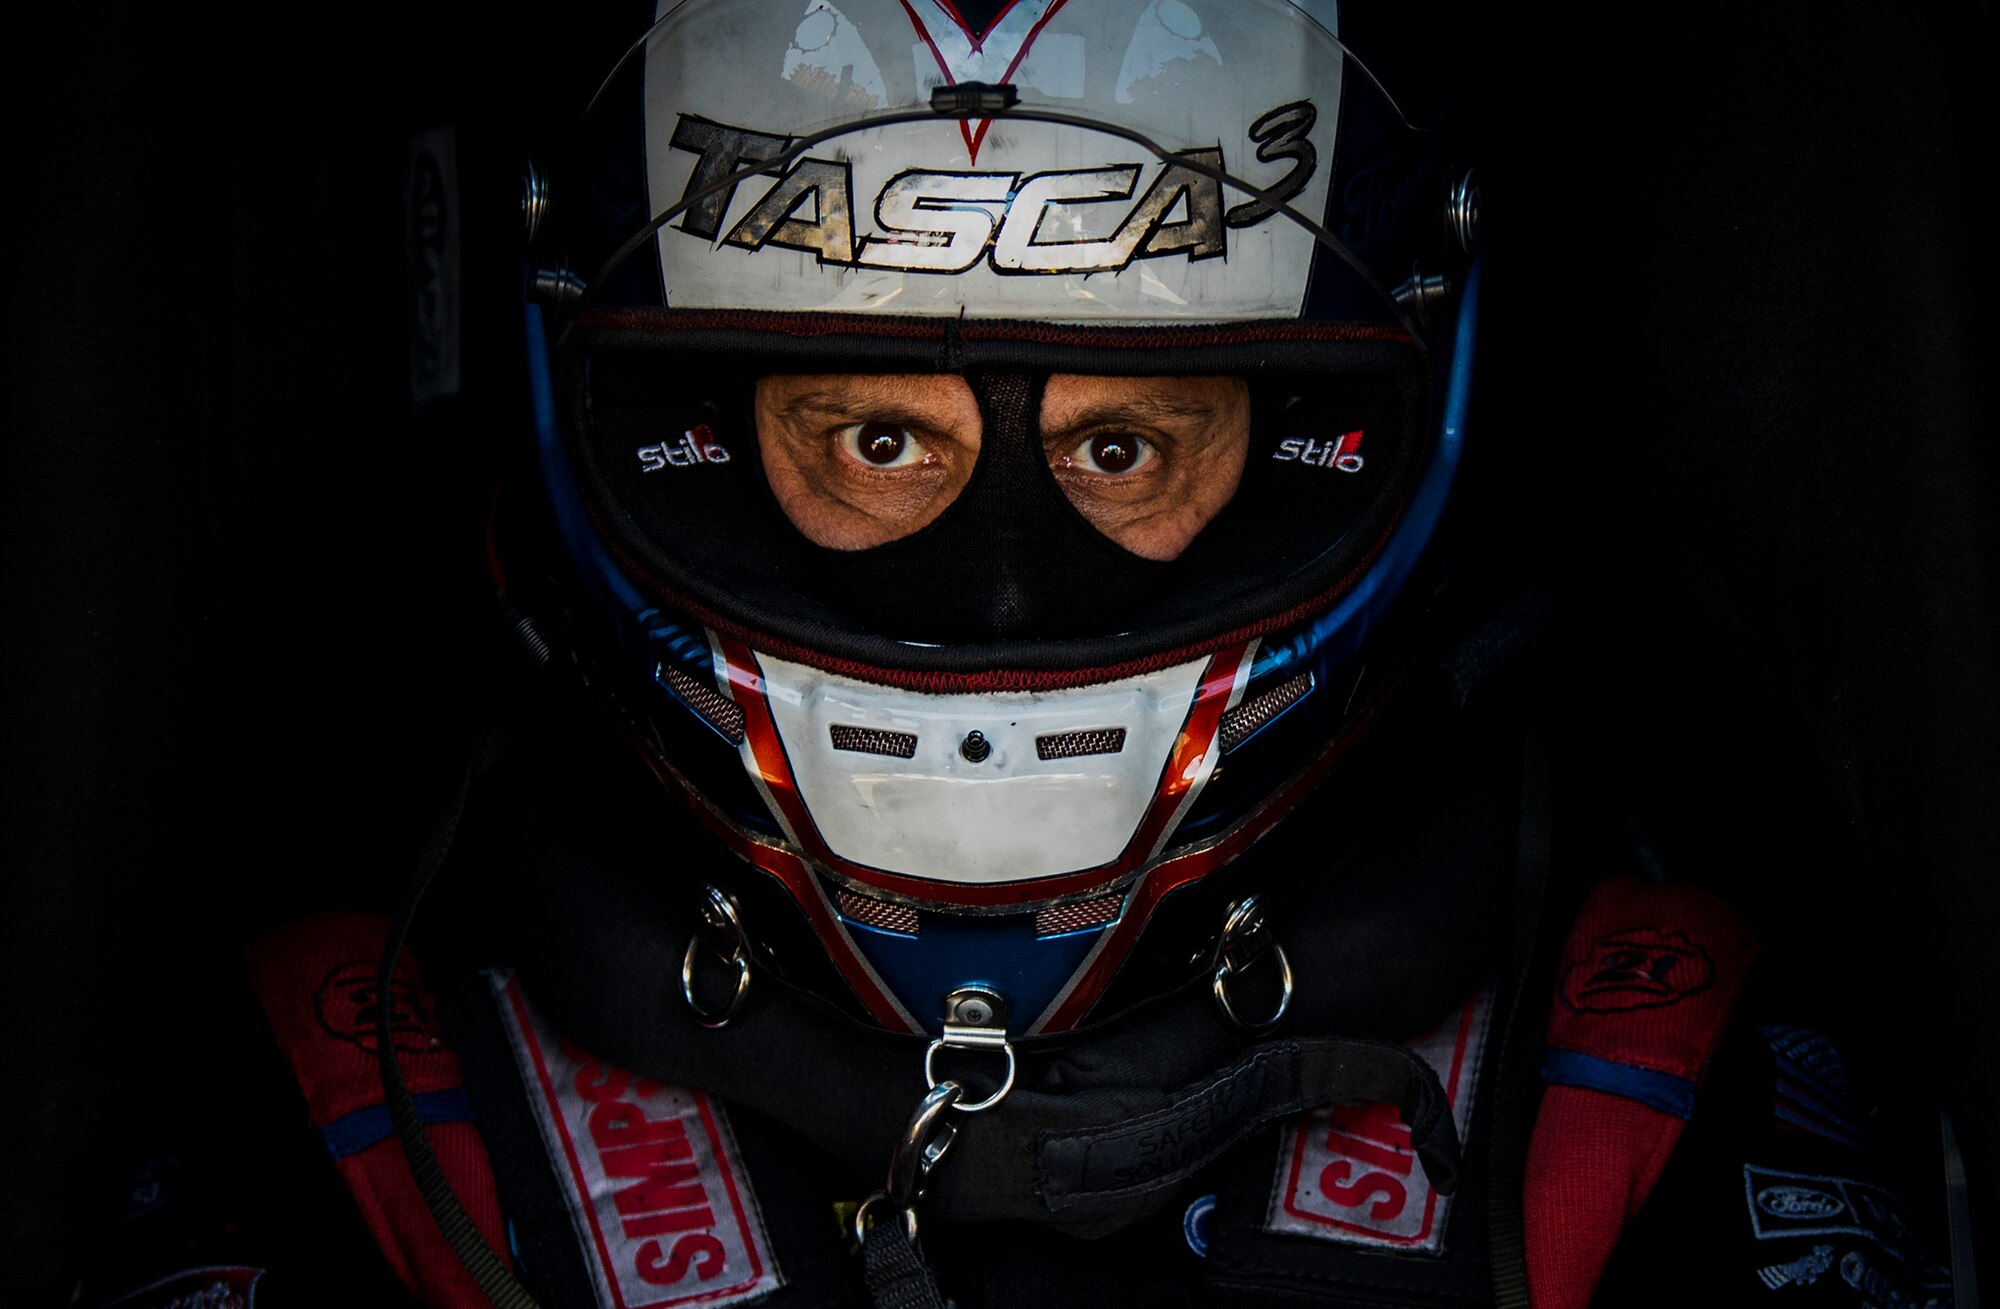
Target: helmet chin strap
{"type": "Point", "coordinates": [1009, 558]}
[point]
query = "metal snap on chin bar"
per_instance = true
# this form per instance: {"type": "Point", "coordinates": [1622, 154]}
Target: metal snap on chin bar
{"type": "Point", "coordinates": [974, 1019]}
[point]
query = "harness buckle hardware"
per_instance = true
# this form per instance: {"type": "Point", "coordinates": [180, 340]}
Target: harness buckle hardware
{"type": "Point", "coordinates": [974, 1019]}
{"type": "Point", "coordinates": [925, 1138]}
{"type": "Point", "coordinates": [722, 932]}
{"type": "Point", "coordinates": [1246, 938]}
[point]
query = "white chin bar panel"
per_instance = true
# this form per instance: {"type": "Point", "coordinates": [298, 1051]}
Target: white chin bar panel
{"type": "Point", "coordinates": [974, 790]}
{"type": "Point", "coordinates": [1051, 782]}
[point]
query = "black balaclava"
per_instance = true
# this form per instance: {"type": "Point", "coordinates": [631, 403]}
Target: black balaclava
{"type": "Point", "coordinates": [1010, 558]}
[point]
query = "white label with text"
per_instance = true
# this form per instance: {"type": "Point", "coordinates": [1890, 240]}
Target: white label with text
{"type": "Point", "coordinates": [1348, 1174]}
{"type": "Point", "coordinates": [661, 1206]}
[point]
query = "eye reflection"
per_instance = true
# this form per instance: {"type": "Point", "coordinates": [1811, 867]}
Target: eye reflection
{"type": "Point", "coordinates": [1110, 453]}
{"type": "Point", "coordinates": [882, 445]}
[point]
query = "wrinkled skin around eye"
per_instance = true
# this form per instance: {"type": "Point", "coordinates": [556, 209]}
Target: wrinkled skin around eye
{"type": "Point", "coordinates": [1150, 461]}
{"type": "Point", "coordinates": [859, 460]}
{"type": "Point", "coordinates": [811, 430]}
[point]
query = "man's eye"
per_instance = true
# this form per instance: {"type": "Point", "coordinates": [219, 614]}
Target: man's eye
{"type": "Point", "coordinates": [882, 445]}
{"type": "Point", "coordinates": [1110, 452]}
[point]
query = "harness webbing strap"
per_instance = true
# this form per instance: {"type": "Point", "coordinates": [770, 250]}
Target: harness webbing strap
{"type": "Point", "coordinates": [1099, 1158]}
{"type": "Point", "coordinates": [1647, 983]}
{"type": "Point", "coordinates": [476, 1249]}
{"type": "Point", "coordinates": [320, 989]}
{"type": "Point", "coordinates": [1512, 1105]}
{"type": "Point", "coordinates": [897, 1275]}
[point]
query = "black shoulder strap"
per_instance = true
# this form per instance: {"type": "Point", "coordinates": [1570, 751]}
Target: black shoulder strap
{"type": "Point", "coordinates": [1513, 1094]}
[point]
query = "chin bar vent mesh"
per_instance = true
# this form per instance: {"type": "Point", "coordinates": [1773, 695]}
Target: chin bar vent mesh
{"type": "Point", "coordinates": [1242, 722]}
{"type": "Point", "coordinates": [1068, 745]}
{"type": "Point", "coordinates": [1060, 918]}
{"type": "Point", "coordinates": [873, 740]}
{"type": "Point", "coordinates": [879, 914]}
{"type": "Point", "coordinates": [714, 708]}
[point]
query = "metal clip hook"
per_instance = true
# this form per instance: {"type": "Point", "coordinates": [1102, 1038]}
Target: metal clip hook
{"type": "Point", "coordinates": [720, 917]}
{"type": "Point", "coordinates": [974, 1019]}
{"type": "Point", "coordinates": [1246, 938]}
{"type": "Point", "coordinates": [924, 1141]}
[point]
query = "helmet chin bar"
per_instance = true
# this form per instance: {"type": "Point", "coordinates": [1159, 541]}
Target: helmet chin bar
{"type": "Point", "coordinates": [1050, 949]}
{"type": "Point", "coordinates": [946, 872]}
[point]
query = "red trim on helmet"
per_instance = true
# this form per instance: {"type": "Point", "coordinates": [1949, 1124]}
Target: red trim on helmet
{"type": "Point", "coordinates": [796, 877]}
{"type": "Point", "coordinates": [903, 327]}
{"type": "Point", "coordinates": [1198, 736]}
{"type": "Point", "coordinates": [977, 40]}
{"type": "Point", "coordinates": [1116, 945]}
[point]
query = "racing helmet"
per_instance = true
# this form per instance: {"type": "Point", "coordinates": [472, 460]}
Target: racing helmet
{"type": "Point", "coordinates": [995, 745]}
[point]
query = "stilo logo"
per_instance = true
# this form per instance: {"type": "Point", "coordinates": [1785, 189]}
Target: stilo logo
{"type": "Point", "coordinates": [1796, 1202]}
{"type": "Point", "coordinates": [1343, 452]}
{"type": "Point", "coordinates": [1639, 968]}
{"type": "Point", "coordinates": [696, 446]}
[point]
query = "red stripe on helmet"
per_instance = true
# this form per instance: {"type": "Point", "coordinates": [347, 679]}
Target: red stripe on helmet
{"type": "Point", "coordinates": [1074, 1004]}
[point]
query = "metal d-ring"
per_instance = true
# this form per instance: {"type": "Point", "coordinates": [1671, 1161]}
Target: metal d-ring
{"type": "Point", "coordinates": [862, 1220]}
{"type": "Point", "coordinates": [719, 913]}
{"type": "Point", "coordinates": [975, 1018]}
{"type": "Point", "coordinates": [979, 1106]}
{"type": "Point", "coordinates": [1246, 938]}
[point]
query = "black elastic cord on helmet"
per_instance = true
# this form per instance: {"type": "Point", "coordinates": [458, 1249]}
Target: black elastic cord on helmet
{"type": "Point", "coordinates": [775, 165]}
{"type": "Point", "coordinates": [499, 1285]}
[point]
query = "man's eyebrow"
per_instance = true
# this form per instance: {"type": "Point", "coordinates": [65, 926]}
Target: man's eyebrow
{"type": "Point", "coordinates": [1152, 408]}
{"type": "Point", "coordinates": [863, 403]}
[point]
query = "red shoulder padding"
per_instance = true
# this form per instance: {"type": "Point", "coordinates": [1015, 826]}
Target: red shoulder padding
{"type": "Point", "coordinates": [1647, 983]}
{"type": "Point", "coordinates": [316, 979]}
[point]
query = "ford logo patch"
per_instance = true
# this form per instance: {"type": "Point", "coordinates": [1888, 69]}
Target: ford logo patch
{"type": "Point", "coordinates": [1799, 1202]}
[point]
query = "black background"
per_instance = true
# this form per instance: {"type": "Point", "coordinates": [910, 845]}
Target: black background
{"type": "Point", "coordinates": [1735, 396]}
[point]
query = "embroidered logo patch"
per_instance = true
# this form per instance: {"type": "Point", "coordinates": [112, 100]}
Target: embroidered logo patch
{"type": "Point", "coordinates": [1639, 968]}
{"type": "Point", "coordinates": [1802, 1204]}
{"type": "Point", "coordinates": [1348, 1173]}
{"type": "Point", "coordinates": [229, 1287]}
{"type": "Point", "coordinates": [661, 1205]}
{"type": "Point", "coordinates": [1804, 1270]}
{"type": "Point", "coordinates": [348, 1006]}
